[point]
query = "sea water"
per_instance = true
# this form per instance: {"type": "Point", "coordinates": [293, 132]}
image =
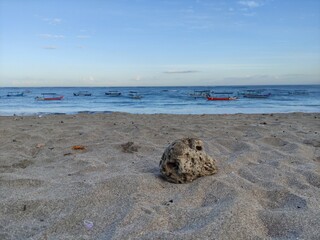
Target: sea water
{"type": "Point", "coordinates": [173, 100]}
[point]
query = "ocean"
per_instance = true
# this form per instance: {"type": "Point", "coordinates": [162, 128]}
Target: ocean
{"type": "Point", "coordinates": [172, 100]}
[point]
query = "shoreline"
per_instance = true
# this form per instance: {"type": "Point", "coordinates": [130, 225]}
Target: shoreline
{"type": "Point", "coordinates": [179, 114]}
{"type": "Point", "coordinates": [267, 184]}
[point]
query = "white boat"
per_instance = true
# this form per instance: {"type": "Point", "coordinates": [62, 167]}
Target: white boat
{"type": "Point", "coordinates": [113, 93]}
{"type": "Point", "coordinates": [134, 95]}
{"type": "Point", "coordinates": [298, 92]}
{"type": "Point", "coordinates": [255, 94]}
{"type": "Point", "coordinates": [15, 94]}
{"type": "Point", "coordinates": [200, 94]}
{"type": "Point", "coordinates": [258, 95]}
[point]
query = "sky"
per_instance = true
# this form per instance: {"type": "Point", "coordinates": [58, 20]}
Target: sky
{"type": "Point", "coordinates": [159, 42]}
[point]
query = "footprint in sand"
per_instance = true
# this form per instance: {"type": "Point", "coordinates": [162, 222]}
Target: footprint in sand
{"type": "Point", "coordinates": [22, 164]}
{"type": "Point", "coordinates": [281, 225]}
{"type": "Point", "coordinates": [219, 193]}
{"type": "Point", "coordinates": [312, 142]}
{"type": "Point", "coordinates": [312, 178]}
{"type": "Point", "coordinates": [274, 141]}
{"type": "Point", "coordinates": [21, 183]}
{"type": "Point", "coordinates": [11, 168]}
{"type": "Point", "coordinates": [282, 200]}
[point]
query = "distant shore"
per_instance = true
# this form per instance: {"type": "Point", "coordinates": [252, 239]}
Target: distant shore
{"type": "Point", "coordinates": [267, 185]}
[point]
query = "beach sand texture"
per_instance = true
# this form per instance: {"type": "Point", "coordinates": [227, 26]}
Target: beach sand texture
{"type": "Point", "coordinates": [266, 187]}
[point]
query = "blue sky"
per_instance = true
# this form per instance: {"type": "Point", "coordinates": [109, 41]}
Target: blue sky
{"type": "Point", "coordinates": [159, 42]}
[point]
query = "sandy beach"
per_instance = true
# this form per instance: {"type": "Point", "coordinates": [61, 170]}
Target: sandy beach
{"type": "Point", "coordinates": [266, 187]}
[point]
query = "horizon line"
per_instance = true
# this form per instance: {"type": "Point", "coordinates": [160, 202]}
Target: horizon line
{"type": "Point", "coordinates": [235, 85]}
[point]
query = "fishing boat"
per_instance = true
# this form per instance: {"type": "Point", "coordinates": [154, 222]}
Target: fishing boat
{"type": "Point", "coordinates": [49, 97]}
{"type": "Point", "coordinates": [134, 95]}
{"type": "Point", "coordinates": [224, 92]}
{"type": "Point", "coordinates": [221, 98]}
{"type": "Point", "coordinates": [256, 95]}
{"type": "Point", "coordinates": [113, 93]}
{"type": "Point", "coordinates": [15, 94]}
{"type": "Point", "coordinates": [298, 92]}
{"type": "Point", "coordinates": [82, 94]}
{"type": "Point", "coordinates": [200, 94]}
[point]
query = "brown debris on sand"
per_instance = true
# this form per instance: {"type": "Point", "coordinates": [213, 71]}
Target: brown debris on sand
{"type": "Point", "coordinates": [79, 147]}
{"type": "Point", "coordinates": [129, 147]}
{"type": "Point", "coordinates": [185, 160]}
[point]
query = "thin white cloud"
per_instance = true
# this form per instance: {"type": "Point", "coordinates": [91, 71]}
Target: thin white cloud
{"type": "Point", "coordinates": [50, 36]}
{"type": "Point", "coordinates": [271, 79]}
{"type": "Point", "coordinates": [137, 78]}
{"type": "Point", "coordinates": [252, 14]}
{"type": "Point", "coordinates": [181, 71]}
{"type": "Point", "coordinates": [83, 36]}
{"type": "Point", "coordinates": [250, 3]}
{"type": "Point", "coordinates": [53, 21]}
{"type": "Point", "coordinates": [49, 47]}
{"type": "Point", "coordinates": [89, 79]}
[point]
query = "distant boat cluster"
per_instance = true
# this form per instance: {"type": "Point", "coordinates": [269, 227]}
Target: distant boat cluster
{"type": "Point", "coordinates": [227, 95]}
{"type": "Point", "coordinates": [204, 94]}
{"type": "Point", "coordinates": [57, 97]}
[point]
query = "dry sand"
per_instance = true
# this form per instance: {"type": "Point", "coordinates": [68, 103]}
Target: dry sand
{"type": "Point", "coordinates": [267, 185]}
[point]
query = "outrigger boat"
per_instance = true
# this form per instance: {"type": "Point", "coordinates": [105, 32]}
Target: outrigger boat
{"type": "Point", "coordinates": [15, 94]}
{"type": "Point", "coordinates": [220, 98]}
{"type": "Point", "coordinates": [82, 93]}
{"type": "Point", "coordinates": [134, 95]}
{"type": "Point", "coordinates": [254, 94]}
{"type": "Point", "coordinates": [223, 92]}
{"type": "Point", "coordinates": [200, 94]}
{"type": "Point", "coordinates": [113, 93]}
{"type": "Point", "coordinates": [49, 97]}
{"type": "Point", "coordinates": [298, 92]}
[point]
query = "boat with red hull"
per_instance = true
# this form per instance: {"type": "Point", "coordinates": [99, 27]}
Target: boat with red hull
{"type": "Point", "coordinates": [220, 98]}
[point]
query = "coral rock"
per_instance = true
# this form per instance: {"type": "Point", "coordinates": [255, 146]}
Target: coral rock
{"type": "Point", "coordinates": [185, 160]}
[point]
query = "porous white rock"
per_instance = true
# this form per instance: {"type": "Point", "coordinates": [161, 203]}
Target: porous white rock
{"type": "Point", "coordinates": [185, 160]}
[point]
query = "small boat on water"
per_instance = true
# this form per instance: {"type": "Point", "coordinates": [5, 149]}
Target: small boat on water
{"type": "Point", "coordinates": [113, 93]}
{"type": "Point", "coordinates": [220, 98]}
{"type": "Point", "coordinates": [49, 97]}
{"type": "Point", "coordinates": [200, 94]}
{"type": "Point", "coordinates": [82, 94]}
{"type": "Point", "coordinates": [224, 92]}
{"type": "Point", "coordinates": [298, 92]}
{"type": "Point", "coordinates": [256, 95]}
{"type": "Point", "coordinates": [134, 95]}
{"type": "Point", "coordinates": [15, 94]}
